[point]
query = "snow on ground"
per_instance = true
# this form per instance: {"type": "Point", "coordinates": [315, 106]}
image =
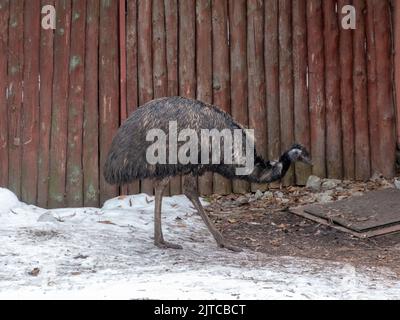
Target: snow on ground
{"type": "Point", "coordinates": [108, 253]}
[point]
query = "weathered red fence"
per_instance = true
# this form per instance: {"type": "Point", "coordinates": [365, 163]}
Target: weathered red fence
{"type": "Point", "coordinates": [288, 69]}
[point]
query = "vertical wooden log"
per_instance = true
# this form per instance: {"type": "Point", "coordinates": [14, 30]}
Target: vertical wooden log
{"type": "Point", "coordinates": [74, 188]}
{"type": "Point", "coordinates": [122, 60]}
{"type": "Point", "coordinates": [109, 87]}
{"type": "Point", "coordinates": [187, 45]}
{"type": "Point", "coordinates": [256, 78]}
{"type": "Point", "coordinates": [204, 74]}
{"type": "Point", "coordinates": [160, 73]}
{"type": "Point", "coordinates": [286, 82]}
{"type": "Point", "coordinates": [171, 28]}
{"type": "Point", "coordinates": [221, 90]}
{"type": "Point", "coordinates": [45, 96]}
{"type": "Point", "coordinates": [346, 95]}
{"type": "Point", "coordinates": [272, 77]}
{"type": "Point", "coordinates": [238, 52]}
{"type": "Point", "coordinates": [90, 157]}
{"type": "Point", "coordinates": [4, 16]}
{"type": "Point", "coordinates": [15, 85]}
{"type": "Point", "coordinates": [361, 137]}
{"type": "Point", "coordinates": [301, 114]}
{"type": "Point", "coordinates": [122, 71]}
{"type": "Point", "coordinates": [30, 115]}
{"type": "Point", "coordinates": [160, 78]}
{"type": "Point", "coordinates": [315, 43]}
{"type": "Point", "coordinates": [372, 94]}
{"type": "Point", "coordinates": [132, 70]}
{"type": "Point", "coordinates": [387, 146]}
{"type": "Point", "coordinates": [145, 64]}
{"type": "Point", "coordinates": [334, 159]}
{"type": "Point", "coordinates": [58, 147]}
{"type": "Point", "coordinates": [187, 48]}
{"type": "Point", "coordinates": [396, 66]}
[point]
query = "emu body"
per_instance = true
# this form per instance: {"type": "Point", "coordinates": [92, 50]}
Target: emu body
{"type": "Point", "coordinates": [127, 159]}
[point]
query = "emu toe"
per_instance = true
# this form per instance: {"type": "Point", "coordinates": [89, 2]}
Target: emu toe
{"type": "Point", "coordinates": [230, 247]}
{"type": "Point", "coordinates": [167, 245]}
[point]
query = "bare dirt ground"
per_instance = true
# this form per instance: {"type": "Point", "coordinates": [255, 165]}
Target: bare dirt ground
{"type": "Point", "coordinates": [263, 223]}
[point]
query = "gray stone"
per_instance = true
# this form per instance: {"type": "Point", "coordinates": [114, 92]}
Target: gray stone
{"type": "Point", "coordinates": [268, 195]}
{"type": "Point", "coordinates": [47, 217]}
{"type": "Point", "coordinates": [397, 183]}
{"type": "Point", "coordinates": [314, 183]}
{"type": "Point", "coordinates": [324, 198]}
{"type": "Point", "coordinates": [330, 184]}
{"type": "Point", "coordinates": [258, 195]}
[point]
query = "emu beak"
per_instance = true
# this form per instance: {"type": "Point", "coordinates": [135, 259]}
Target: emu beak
{"type": "Point", "coordinates": [307, 160]}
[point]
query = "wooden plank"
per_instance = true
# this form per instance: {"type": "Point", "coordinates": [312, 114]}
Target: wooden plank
{"type": "Point", "coordinates": [361, 137]}
{"type": "Point", "coordinates": [346, 95]}
{"type": "Point", "coordinates": [145, 64]}
{"type": "Point", "coordinates": [204, 76]}
{"type": "Point", "coordinates": [4, 16]}
{"type": "Point", "coordinates": [45, 105]}
{"type": "Point", "coordinates": [396, 39]}
{"type": "Point", "coordinates": [387, 146]}
{"type": "Point", "coordinates": [373, 210]}
{"type": "Point", "coordinates": [300, 64]}
{"type": "Point", "coordinates": [372, 87]}
{"type": "Point", "coordinates": [362, 235]}
{"type": "Point", "coordinates": [30, 115]}
{"type": "Point", "coordinates": [58, 146]}
{"type": "Point", "coordinates": [334, 158]}
{"type": "Point", "coordinates": [123, 113]}
{"type": "Point", "coordinates": [187, 49]}
{"type": "Point", "coordinates": [132, 70]}
{"type": "Point", "coordinates": [90, 156]}
{"type": "Point", "coordinates": [109, 87]}
{"type": "Point", "coordinates": [315, 43]}
{"type": "Point", "coordinates": [74, 182]}
{"type": "Point", "coordinates": [160, 73]}
{"type": "Point", "coordinates": [171, 28]}
{"type": "Point", "coordinates": [286, 97]}
{"type": "Point", "coordinates": [187, 44]}
{"type": "Point", "coordinates": [15, 77]}
{"type": "Point", "coordinates": [238, 53]}
{"type": "Point", "coordinates": [221, 79]}
{"type": "Point", "coordinates": [271, 54]}
{"type": "Point", "coordinates": [256, 78]}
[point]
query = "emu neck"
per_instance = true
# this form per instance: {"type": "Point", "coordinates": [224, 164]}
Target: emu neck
{"type": "Point", "coordinates": [286, 162]}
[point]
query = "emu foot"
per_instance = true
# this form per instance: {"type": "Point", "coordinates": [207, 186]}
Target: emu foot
{"type": "Point", "coordinates": [167, 245]}
{"type": "Point", "coordinates": [229, 247]}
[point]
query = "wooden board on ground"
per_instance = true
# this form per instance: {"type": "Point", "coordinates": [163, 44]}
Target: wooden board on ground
{"type": "Point", "coordinates": [375, 213]}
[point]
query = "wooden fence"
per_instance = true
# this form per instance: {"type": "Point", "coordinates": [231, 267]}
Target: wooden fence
{"type": "Point", "coordinates": [286, 68]}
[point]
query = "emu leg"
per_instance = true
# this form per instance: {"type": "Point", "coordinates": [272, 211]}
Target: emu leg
{"type": "Point", "coordinates": [158, 235]}
{"type": "Point", "coordinates": [190, 190]}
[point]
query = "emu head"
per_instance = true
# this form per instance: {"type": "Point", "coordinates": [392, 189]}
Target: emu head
{"type": "Point", "coordinates": [299, 153]}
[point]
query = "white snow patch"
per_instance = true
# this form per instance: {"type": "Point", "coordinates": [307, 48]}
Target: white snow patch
{"type": "Point", "coordinates": [108, 253]}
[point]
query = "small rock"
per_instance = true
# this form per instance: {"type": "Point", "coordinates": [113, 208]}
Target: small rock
{"type": "Point", "coordinates": [397, 183]}
{"type": "Point", "coordinates": [376, 177]}
{"type": "Point", "coordinates": [47, 217]}
{"type": "Point", "coordinates": [357, 194]}
{"type": "Point", "coordinates": [258, 195]}
{"type": "Point", "coordinates": [268, 195]}
{"type": "Point", "coordinates": [330, 184]}
{"type": "Point", "coordinates": [279, 194]}
{"type": "Point", "coordinates": [242, 200]}
{"type": "Point", "coordinates": [314, 183]}
{"type": "Point", "coordinates": [324, 198]}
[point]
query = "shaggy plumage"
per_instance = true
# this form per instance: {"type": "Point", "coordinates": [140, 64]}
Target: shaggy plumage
{"type": "Point", "coordinates": [127, 161]}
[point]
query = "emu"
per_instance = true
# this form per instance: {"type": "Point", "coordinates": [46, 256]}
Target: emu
{"type": "Point", "coordinates": [127, 160]}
